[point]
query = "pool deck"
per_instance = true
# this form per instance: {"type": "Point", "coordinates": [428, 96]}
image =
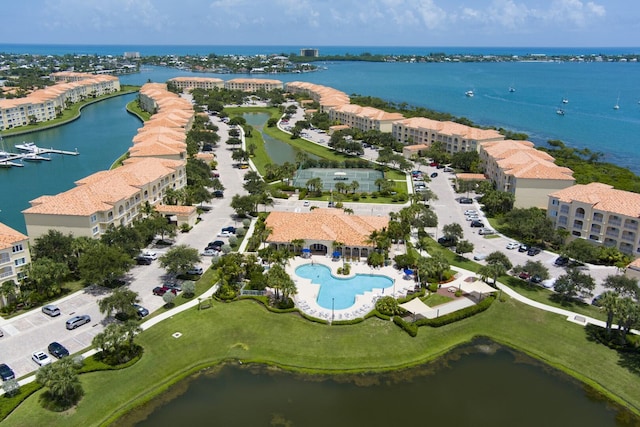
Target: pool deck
{"type": "Point", "coordinates": [306, 298]}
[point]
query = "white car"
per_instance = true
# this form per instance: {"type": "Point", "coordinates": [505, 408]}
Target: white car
{"type": "Point", "coordinates": [513, 245]}
{"type": "Point", "coordinates": [479, 256]}
{"type": "Point", "coordinates": [306, 203]}
{"type": "Point", "coordinates": [41, 358]}
{"type": "Point", "coordinates": [225, 234]}
{"type": "Point", "coordinates": [209, 252]}
{"type": "Point", "coordinates": [471, 212]}
{"type": "Point", "coordinates": [150, 255]}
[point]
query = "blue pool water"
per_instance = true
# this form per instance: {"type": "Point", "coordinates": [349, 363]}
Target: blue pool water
{"type": "Point", "coordinates": [340, 293]}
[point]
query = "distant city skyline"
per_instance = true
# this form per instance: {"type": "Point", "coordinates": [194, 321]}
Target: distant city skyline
{"type": "Point", "coordinates": [517, 23]}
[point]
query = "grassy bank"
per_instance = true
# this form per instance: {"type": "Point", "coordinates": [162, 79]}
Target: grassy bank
{"type": "Point", "coordinates": [246, 331]}
{"type": "Point", "coordinates": [68, 115]}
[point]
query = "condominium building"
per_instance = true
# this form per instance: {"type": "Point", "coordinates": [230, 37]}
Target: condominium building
{"type": "Point", "coordinates": [599, 214]}
{"type": "Point", "coordinates": [253, 85]}
{"type": "Point", "coordinates": [44, 104]}
{"type": "Point", "coordinates": [113, 197]}
{"type": "Point", "coordinates": [14, 255]}
{"type": "Point", "coordinates": [530, 174]}
{"type": "Point", "coordinates": [364, 118]}
{"type": "Point", "coordinates": [327, 97]}
{"type": "Point", "coordinates": [454, 137]}
{"type": "Point", "coordinates": [189, 83]}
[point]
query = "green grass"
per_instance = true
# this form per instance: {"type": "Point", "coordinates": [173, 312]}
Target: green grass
{"type": "Point", "coordinates": [436, 299]}
{"type": "Point", "coordinates": [68, 115]}
{"type": "Point", "coordinates": [245, 330]}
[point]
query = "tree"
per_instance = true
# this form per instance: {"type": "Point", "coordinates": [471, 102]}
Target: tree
{"type": "Point", "coordinates": [188, 288]}
{"type": "Point", "coordinates": [53, 245]}
{"type": "Point", "coordinates": [609, 303]}
{"type": "Point", "coordinates": [453, 231]}
{"type": "Point", "coordinates": [116, 342]}
{"type": "Point", "coordinates": [121, 300]}
{"type": "Point", "coordinates": [64, 388]}
{"type": "Point", "coordinates": [497, 264]}
{"type": "Point", "coordinates": [44, 277]}
{"type": "Point", "coordinates": [573, 284]}
{"type": "Point", "coordinates": [534, 268]}
{"type": "Point", "coordinates": [629, 315]}
{"type": "Point", "coordinates": [498, 257]}
{"type": "Point", "coordinates": [128, 238]}
{"type": "Point", "coordinates": [102, 264]}
{"type": "Point", "coordinates": [179, 259]}
{"type": "Point", "coordinates": [622, 285]}
{"type": "Point", "coordinates": [581, 250]}
{"type": "Point", "coordinates": [463, 247]}
{"type": "Point", "coordinates": [244, 205]}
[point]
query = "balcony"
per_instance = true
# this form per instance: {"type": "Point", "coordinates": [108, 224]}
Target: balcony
{"type": "Point", "coordinates": [616, 222]}
{"type": "Point", "coordinates": [579, 215]}
{"type": "Point", "coordinates": [610, 233]}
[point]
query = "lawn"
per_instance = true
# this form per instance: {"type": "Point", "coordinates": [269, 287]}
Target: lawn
{"type": "Point", "coordinates": [245, 330]}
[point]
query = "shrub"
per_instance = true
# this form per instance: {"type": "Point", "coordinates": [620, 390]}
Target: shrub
{"type": "Point", "coordinates": [433, 287]}
{"type": "Point", "coordinates": [241, 232]}
{"type": "Point", "coordinates": [409, 328]}
{"type": "Point", "coordinates": [388, 306]}
{"type": "Point", "coordinates": [458, 315]}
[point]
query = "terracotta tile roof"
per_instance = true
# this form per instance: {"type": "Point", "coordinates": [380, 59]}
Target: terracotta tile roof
{"type": "Point", "coordinates": [175, 209]}
{"type": "Point", "coordinates": [324, 225]}
{"type": "Point", "coordinates": [9, 236]}
{"type": "Point", "coordinates": [452, 128]}
{"type": "Point", "coordinates": [471, 177]}
{"type": "Point", "coordinates": [99, 191]}
{"type": "Point", "coordinates": [259, 81]}
{"type": "Point", "coordinates": [602, 197]}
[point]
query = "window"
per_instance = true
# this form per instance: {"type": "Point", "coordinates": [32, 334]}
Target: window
{"type": "Point", "coordinates": [94, 218]}
{"type": "Point", "coordinates": [4, 257]}
{"type": "Point", "coordinates": [94, 230]}
{"type": "Point", "coordinates": [17, 248]}
{"type": "Point", "coordinates": [20, 261]}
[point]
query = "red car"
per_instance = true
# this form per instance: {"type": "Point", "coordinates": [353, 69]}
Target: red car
{"type": "Point", "coordinates": [433, 164]}
{"type": "Point", "coordinates": [161, 290]}
{"type": "Point", "coordinates": [524, 275]}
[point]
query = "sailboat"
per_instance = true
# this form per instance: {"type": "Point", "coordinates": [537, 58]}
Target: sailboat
{"type": "Point", "coordinates": [617, 106]}
{"type": "Point", "coordinates": [560, 111]}
{"type": "Point", "coordinates": [469, 93]}
{"type": "Point", "coordinates": [565, 101]}
{"type": "Point", "coordinates": [512, 89]}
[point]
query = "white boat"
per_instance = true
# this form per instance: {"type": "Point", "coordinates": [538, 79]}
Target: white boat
{"type": "Point", "coordinates": [33, 157]}
{"type": "Point", "coordinates": [28, 146]}
{"type": "Point", "coordinates": [565, 101]}
{"type": "Point", "coordinates": [560, 112]}
{"type": "Point", "coordinates": [617, 106]}
{"type": "Point", "coordinates": [469, 93]}
{"type": "Point", "coordinates": [512, 89]}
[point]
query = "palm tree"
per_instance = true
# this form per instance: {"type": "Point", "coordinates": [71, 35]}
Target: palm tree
{"type": "Point", "coordinates": [297, 244]}
{"type": "Point", "coordinates": [63, 383]}
{"type": "Point", "coordinates": [609, 303]}
{"type": "Point", "coordinates": [354, 186]}
{"type": "Point", "coordinates": [9, 290]}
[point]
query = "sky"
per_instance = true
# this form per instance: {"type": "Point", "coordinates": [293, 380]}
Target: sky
{"type": "Point", "coordinates": [518, 23]}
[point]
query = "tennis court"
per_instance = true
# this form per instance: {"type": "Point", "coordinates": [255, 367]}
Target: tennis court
{"type": "Point", "coordinates": [366, 178]}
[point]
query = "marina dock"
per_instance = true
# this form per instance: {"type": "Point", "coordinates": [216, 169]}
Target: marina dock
{"type": "Point", "coordinates": [31, 153]}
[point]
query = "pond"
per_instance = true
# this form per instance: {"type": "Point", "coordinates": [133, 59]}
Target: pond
{"type": "Point", "coordinates": [279, 152]}
{"type": "Point", "coordinates": [480, 384]}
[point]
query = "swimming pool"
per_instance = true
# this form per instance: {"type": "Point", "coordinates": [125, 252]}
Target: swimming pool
{"type": "Point", "coordinates": [340, 293]}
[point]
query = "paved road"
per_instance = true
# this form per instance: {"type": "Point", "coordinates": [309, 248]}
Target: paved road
{"type": "Point", "coordinates": [34, 330]}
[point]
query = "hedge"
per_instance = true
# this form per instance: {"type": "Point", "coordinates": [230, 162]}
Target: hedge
{"type": "Point", "coordinates": [457, 315]}
{"type": "Point", "coordinates": [410, 328]}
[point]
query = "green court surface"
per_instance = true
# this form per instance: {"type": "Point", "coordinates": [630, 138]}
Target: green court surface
{"type": "Point", "coordinates": [366, 178]}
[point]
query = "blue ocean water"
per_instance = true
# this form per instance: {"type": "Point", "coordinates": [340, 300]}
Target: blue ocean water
{"type": "Point", "coordinates": [590, 120]}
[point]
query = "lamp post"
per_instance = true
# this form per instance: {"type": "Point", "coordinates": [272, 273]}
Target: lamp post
{"type": "Point", "coordinates": [333, 300]}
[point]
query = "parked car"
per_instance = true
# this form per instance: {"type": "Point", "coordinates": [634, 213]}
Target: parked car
{"type": "Point", "coordinates": [51, 310]}
{"type": "Point", "coordinates": [150, 254]}
{"type": "Point", "coordinates": [161, 290]}
{"type": "Point", "coordinates": [218, 193]}
{"type": "Point", "coordinates": [6, 373]}
{"type": "Point", "coordinates": [57, 350]}
{"type": "Point", "coordinates": [224, 234]}
{"type": "Point", "coordinates": [433, 175]}
{"type": "Point", "coordinates": [476, 223]}
{"type": "Point", "coordinates": [549, 283]}
{"type": "Point", "coordinates": [447, 241]}
{"type": "Point", "coordinates": [523, 248]}
{"type": "Point", "coordinates": [195, 271]}
{"type": "Point", "coordinates": [536, 279]}
{"type": "Point", "coordinates": [41, 358]}
{"type": "Point", "coordinates": [141, 260]}
{"type": "Point", "coordinates": [486, 231]}
{"type": "Point", "coordinates": [209, 252]}
{"type": "Point", "coordinates": [448, 169]}
{"type": "Point", "coordinates": [561, 261]}
{"type": "Point", "coordinates": [479, 256]}
{"type": "Point", "coordinates": [76, 321]}
{"type": "Point", "coordinates": [215, 245]}
{"type": "Point", "coordinates": [465, 200]}
{"type": "Point", "coordinates": [533, 251]}
{"type": "Point", "coordinates": [524, 275]}
{"type": "Point", "coordinates": [471, 212]}
{"type": "Point", "coordinates": [596, 300]}
{"type": "Point", "coordinates": [141, 311]}
{"type": "Point", "coordinates": [306, 204]}
{"type": "Point", "coordinates": [512, 245]}
{"type": "Point", "coordinates": [440, 167]}
{"type": "Point", "coordinates": [433, 164]}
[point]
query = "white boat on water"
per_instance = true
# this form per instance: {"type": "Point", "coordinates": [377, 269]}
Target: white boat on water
{"type": "Point", "coordinates": [33, 157]}
{"type": "Point", "coordinates": [560, 112]}
{"type": "Point", "coordinates": [565, 101]}
{"type": "Point", "coordinates": [617, 106]}
{"type": "Point", "coordinates": [469, 93]}
{"type": "Point", "coordinates": [28, 146]}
